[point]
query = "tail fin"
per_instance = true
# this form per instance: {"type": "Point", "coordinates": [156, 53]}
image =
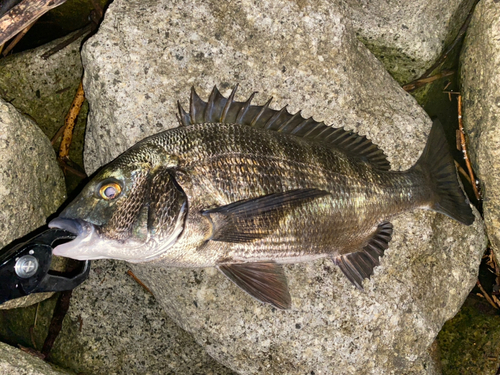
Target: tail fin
{"type": "Point", "coordinates": [437, 162]}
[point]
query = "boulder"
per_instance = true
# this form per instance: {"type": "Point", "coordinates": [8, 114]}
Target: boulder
{"type": "Point", "coordinates": [146, 56]}
{"type": "Point", "coordinates": [114, 326]}
{"type": "Point", "coordinates": [408, 36]}
{"type": "Point", "coordinates": [44, 88]}
{"type": "Point", "coordinates": [31, 183]}
{"type": "Point", "coordinates": [15, 362]}
{"type": "Point", "coordinates": [481, 107]}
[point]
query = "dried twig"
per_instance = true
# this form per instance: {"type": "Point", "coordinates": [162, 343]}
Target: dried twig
{"type": "Point", "coordinates": [33, 352]}
{"type": "Point", "coordinates": [23, 15]}
{"type": "Point", "coordinates": [60, 311]}
{"type": "Point", "coordinates": [424, 81]}
{"type": "Point", "coordinates": [464, 149]}
{"type": "Point", "coordinates": [66, 167]}
{"type": "Point", "coordinates": [67, 42]}
{"type": "Point", "coordinates": [488, 298]}
{"type": "Point", "coordinates": [36, 314]}
{"type": "Point", "coordinates": [69, 122]}
{"type": "Point", "coordinates": [131, 274]}
{"type": "Point", "coordinates": [462, 172]}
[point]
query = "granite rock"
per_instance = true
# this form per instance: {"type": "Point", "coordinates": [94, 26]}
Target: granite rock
{"type": "Point", "coordinates": [146, 56]}
{"type": "Point", "coordinates": [408, 36]}
{"type": "Point", "coordinates": [15, 362]}
{"type": "Point", "coordinates": [480, 76]}
{"type": "Point", "coordinates": [43, 88]}
{"type": "Point", "coordinates": [31, 183]}
{"type": "Point", "coordinates": [114, 326]}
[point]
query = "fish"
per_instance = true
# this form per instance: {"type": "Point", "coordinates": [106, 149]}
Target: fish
{"type": "Point", "coordinates": [246, 188]}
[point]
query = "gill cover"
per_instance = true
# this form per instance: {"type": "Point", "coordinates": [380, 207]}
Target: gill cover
{"type": "Point", "coordinates": [131, 210]}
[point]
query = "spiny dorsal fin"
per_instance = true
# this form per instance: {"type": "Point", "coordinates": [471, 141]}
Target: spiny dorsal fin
{"type": "Point", "coordinates": [359, 265]}
{"type": "Point", "coordinates": [226, 110]}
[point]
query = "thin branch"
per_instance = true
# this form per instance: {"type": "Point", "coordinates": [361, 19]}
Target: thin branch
{"type": "Point", "coordinates": [70, 121]}
{"type": "Point", "coordinates": [67, 42]}
{"type": "Point", "coordinates": [138, 281]}
{"type": "Point", "coordinates": [424, 81]}
{"type": "Point", "coordinates": [488, 298]}
{"type": "Point", "coordinates": [464, 149]}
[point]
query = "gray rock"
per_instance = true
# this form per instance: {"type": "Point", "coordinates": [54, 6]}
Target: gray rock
{"type": "Point", "coordinates": [45, 88]}
{"type": "Point", "coordinates": [146, 56]}
{"type": "Point", "coordinates": [15, 362]}
{"type": "Point", "coordinates": [481, 104]}
{"type": "Point", "coordinates": [31, 183]}
{"type": "Point", "coordinates": [408, 36]}
{"type": "Point", "coordinates": [114, 326]}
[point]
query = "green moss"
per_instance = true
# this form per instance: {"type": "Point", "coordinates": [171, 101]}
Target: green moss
{"type": "Point", "coordinates": [469, 342]}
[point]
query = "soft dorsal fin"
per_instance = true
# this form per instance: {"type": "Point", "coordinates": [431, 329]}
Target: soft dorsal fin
{"type": "Point", "coordinates": [225, 110]}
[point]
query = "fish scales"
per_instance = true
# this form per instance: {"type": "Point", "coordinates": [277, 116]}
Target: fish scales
{"type": "Point", "coordinates": [352, 209]}
{"type": "Point", "coordinates": [247, 188]}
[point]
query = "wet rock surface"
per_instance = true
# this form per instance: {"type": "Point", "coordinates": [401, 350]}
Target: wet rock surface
{"type": "Point", "coordinates": [408, 37]}
{"type": "Point", "coordinates": [147, 55]}
{"type": "Point", "coordinates": [480, 80]}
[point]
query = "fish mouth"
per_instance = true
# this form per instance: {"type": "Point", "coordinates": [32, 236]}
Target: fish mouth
{"type": "Point", "coordinates": [85, 236]}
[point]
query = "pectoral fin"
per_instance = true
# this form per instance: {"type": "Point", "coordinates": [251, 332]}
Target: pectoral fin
{"type": "Point", "coordinates": [359, 265]}
{"type": "Point", "coordinates": [265, 281]}
{"type": "Point", "coordinates": [251, 219]}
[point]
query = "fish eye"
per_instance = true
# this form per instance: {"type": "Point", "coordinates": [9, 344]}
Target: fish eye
{"type": "Point", "coordinates": [110, 190]}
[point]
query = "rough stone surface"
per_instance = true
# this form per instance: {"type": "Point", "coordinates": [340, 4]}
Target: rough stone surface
{"type": "Point", "coordinates": [480, 73]}
{"type": "Point", "coordinates": [15, 362]}
{"type": "Point", "coordinates": [408, 36]}
{"type": "Point", "coordinates": [114, 326]}
{"type": "Point", "coordinates": [146, 56]}
{"type": "Point", "coordinates": [45, 88]}
{"type": "Point", "coordinates": [31, 183]}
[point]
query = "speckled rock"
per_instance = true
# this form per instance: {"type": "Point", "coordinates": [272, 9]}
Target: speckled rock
{"type": "Point", "coordinates": [146, 56]}
{"type": "Point", "coordinates": [114, 326]}
{"type": "Point", "coordinates": [31, 183]}
{"type": "Point", "coordinates": [15, 362]}
{"type": "Point", "coordinates": [408, 36]}
{"type": "Point", "coordinates": [480, 75]}
{"type": "Point", "coordinates": [45, 88]}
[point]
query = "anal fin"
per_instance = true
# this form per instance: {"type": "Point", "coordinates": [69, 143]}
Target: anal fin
{"type": "Point", "coordinates": [359, 265]}
{"type": "Point", "coordinates": [265, 281]}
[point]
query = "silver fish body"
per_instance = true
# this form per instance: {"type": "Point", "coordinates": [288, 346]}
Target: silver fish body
{"type": "Point", "coordinates": [247, 188]}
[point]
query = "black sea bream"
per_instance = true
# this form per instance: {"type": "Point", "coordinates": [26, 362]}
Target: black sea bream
{"type": "Point", "coordinates": [247, 188]}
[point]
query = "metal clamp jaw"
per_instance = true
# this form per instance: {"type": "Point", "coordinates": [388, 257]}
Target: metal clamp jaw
{"type": "Point", "coordinates": [25, 268]}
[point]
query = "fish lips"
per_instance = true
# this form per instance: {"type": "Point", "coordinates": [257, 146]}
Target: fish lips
{"type": "Point", "coordinates": [85, 235]}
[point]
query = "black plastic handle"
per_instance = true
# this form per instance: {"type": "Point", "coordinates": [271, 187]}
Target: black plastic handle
{"type": "Point", "coordinates": [25, 268]}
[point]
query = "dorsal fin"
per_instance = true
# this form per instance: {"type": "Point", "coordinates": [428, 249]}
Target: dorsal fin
{"type": "Point", "coordinates": [226, 110]}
